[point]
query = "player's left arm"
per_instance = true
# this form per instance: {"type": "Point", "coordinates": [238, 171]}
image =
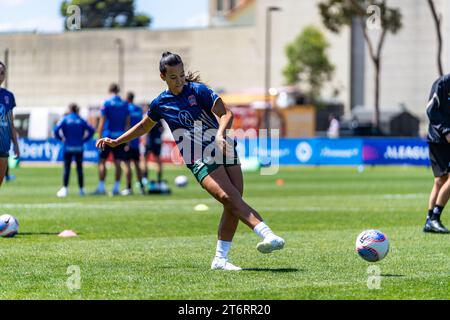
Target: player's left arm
{"type": "Point", "coordinates": [14, 136]}
{"type": "Point", "coordinates": [224, 115]}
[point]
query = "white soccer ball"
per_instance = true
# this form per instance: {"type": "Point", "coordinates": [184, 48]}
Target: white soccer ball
{"type": "Point", "coordinates": [181, 181]}
{"type": "Point", "coordinates": [9, 226]}
{"type": "Point", "coordinates": [372, 245]}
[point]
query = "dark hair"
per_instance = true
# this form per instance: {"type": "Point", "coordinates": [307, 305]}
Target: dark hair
{"type": "Point", "coordinates": [130, 96]}
{"type": "Point", "coordinates": [173, 59]}
{"type": "Point", "coordinates": [114, 88]}
{"type": "Point", "coordinates": [73, 107]}
{"type": "Point", "coordinates": [2, 64]}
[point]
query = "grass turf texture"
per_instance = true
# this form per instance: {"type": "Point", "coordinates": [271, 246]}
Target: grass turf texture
{"type": "Point", "coordinates": [158, 247]}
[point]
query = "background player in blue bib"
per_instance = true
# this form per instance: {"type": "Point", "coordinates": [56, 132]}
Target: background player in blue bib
{"type": "Point", "coordinates": [132, 150]}
{"type": "Point", "coordinates": [7, 130]}
{"type": "Point", "coordinates": [114, 122]}
{"type": "Point", "coordinates": [75, 133]}
{"type": "Point", "coordinates": [191, 110]}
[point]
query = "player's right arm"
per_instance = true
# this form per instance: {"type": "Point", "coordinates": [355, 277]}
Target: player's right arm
{"type": "Point", "coordinates": [135, 132]}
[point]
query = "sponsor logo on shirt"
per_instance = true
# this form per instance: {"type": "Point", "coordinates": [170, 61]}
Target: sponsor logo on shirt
{"type": "Point", "coordinates": [186, 118]}
{"type": "Point", "coordinates": [192, 100]}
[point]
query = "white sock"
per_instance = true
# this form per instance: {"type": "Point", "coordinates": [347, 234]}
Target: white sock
{"type": "Point", "coordinates": [116, 185]}
{"type": "Point", "coordinates": [101, 185]}
{"type": "Point", "coordinates": [263, 230]}
{"type": "Point", "coordinates": [222, 249]}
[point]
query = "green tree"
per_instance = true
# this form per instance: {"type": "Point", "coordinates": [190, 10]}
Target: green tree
{"type": "Point", "coordinates": [107, 13]}
{"type": "Point", "coordinates": [308, 62]}
{"type": "Point", "coordinates": [372, 14]}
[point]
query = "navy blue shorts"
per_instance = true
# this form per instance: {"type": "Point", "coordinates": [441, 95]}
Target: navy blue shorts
{"type": "Point", "coordinates": [118, 152]}
{"type": "Point", "coordinates": [440, 159]}
{"type": "Point", "coordinates": [133, 154]}
{"type": "Point", "coordinates": [4, 154]}
{"type": "Point", "coordinates": [154, 148]}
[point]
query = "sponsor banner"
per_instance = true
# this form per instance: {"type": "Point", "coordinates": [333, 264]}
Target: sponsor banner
{"type": "Point", "coordinates": [396, 151]}
{"type": "Point", "coordinates": [303, 151]}
{"type": "Point", "coordinates": [51, 150]}
{"type": "Point", "coordinates": [340, 152]}
{"type": "Point", "coordinates": [314, 151]}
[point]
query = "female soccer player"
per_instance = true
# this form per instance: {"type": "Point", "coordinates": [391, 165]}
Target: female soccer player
{"type": "Point", "coordinates": [190, 108]}
{"type": "Point", "coordinates": [7, 130]}
{"type": "Point", "coordinates": [75, 133]}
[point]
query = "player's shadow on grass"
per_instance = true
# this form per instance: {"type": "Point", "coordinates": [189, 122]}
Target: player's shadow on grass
{"type": "Point", "coordinates": [281, 270]}
{"type": "Point", "coordinates": [389, 275]}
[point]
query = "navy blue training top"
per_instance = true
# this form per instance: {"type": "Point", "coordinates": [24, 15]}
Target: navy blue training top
{"type": "Point", "coordinates": [190, 118]}
{"type": "Point", "coordinates": [75, 130]}
{"type": "Point", "coordinates": [136, 115]}
{"type": "Point", "coordinates": [7, 103]}
{"type": "Point", "coordinates": [115, 110]}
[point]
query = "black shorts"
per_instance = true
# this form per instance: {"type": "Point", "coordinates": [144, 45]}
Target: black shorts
{"type": "Point", "coordinates": [4, 154]}
{"type": "Point", "coordinates": [440, 159]}
{"type": "Point", "coordinates": [118, 152]}
{"type": "Point", "coordinates": [133, 154]}
{"type": "Point", "coordinates": [154, 148]}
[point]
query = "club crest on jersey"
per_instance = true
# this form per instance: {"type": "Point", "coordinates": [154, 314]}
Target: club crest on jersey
{"type": "Point", "coordinates": [7, 99]}
{"type": "Point", "coordinates": [186, 118]}
{"type": "Point", "coordinates": [192, 100]}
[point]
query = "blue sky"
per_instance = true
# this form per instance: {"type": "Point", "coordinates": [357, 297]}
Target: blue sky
{"type": "Point", "coordinates": [43, 15]}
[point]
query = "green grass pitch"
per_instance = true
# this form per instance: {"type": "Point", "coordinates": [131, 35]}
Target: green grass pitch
{"type": "Point", "coordinates": [158, 247]}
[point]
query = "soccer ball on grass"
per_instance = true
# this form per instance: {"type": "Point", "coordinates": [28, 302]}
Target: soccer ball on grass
{"type": "Point", "coordinates": [372, 245]}
{"type": "Point", "coordinates": [9, 226]}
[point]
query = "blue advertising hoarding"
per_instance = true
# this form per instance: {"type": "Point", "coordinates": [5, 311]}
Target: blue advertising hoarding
{"type": "Point", "coordinates": [314, 151]}
{"type": "Point", "coordinates": [51, 150]}
{"type": "Point", "coordinates": [396, 151]}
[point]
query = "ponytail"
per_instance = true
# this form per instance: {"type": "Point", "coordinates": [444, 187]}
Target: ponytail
{"type": "Point", "coordinates": [194, 77]}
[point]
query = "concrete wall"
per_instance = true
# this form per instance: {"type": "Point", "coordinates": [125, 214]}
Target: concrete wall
{"type": "Point", "coordinates": [56, 69]}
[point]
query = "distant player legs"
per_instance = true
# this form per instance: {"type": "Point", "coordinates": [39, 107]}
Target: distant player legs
{"type": "Point", "coordinates": [158, 167]}
{"type": "Point", "coordinates": [79, 162]}
{"type": "Point", "coordinates": [444, 194]}
{"type": "Point", "coordinates": [439, 182]}
{"type": "Point", "coordinates": [102, 170]}
{"type": "Point", "coordinates": [67, 164]}
{"type": "Point", "coordinates": [128, 173]}
{"type": "Point", "coordinates": [3, 166]}
{"type": "Point", "coordinates": [118, 173]}
{"type": "Point", "coordinates": [139, 175]}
